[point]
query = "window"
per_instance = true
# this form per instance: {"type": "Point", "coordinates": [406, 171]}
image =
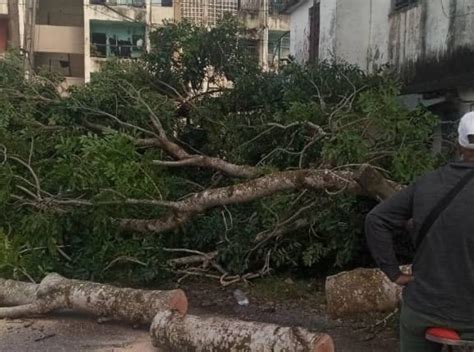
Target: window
{"type": "Point", "coordinates": [400, 4]}
{"type": "Point", "coordinates": [112, 39]}
{"type": "Point", "coordinates": [278, 47]}
{"type": "Point", "coordinates": [165, 3]}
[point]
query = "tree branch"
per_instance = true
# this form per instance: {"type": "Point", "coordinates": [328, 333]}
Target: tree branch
{"type": "Point", "coordinates": [242, 193]}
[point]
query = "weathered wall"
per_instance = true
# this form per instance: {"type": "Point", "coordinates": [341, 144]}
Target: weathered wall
{"type": "Point", "coordinates": [327, 29]}
{"type": "Point", "coordinates": [59, 39]}
{"type": "Point", "coordinates": [432, 38]}
{"type": "Point", "coordinates": [355, 31]}
{"type": "Point", "coordinates": [158, 14]}
{"type": "Point", "coordinates": [299, 31]}
{"type": "Point", "coordinates": [57, 13]}
{"type": "Point", "coordinates": [419, 41]}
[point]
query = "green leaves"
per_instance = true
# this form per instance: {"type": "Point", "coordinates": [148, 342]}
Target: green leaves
{"type": "Point", "coordinates": [89, 146]}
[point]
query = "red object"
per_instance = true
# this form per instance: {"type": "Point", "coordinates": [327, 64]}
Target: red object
{"type": "Point", "coordinates": [3, 34]}
{"type": "Point", "coordinates": [443, 334]}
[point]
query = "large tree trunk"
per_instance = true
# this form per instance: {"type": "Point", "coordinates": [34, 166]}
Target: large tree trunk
{"type": "Point", "coordinates": [56, 292]}
{"type": "Point", "coordinates": [213, 334]}
{"type": "Point", "coordinates": [361, 291]}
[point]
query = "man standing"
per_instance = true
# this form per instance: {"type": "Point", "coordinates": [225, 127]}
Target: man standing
{"type": "Point", "coordinates": [440, 293]}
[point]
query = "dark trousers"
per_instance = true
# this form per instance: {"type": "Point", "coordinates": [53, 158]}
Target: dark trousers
{"type": "Point", "coordinates": [413, 326]}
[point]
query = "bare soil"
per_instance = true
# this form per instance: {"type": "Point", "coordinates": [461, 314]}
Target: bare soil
{"type": "Point", "coordinates": [295, 303]}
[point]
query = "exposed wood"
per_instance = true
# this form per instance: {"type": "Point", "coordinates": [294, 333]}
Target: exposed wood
{"type": "Point", "coordinates": [375, 184]}
{"type": "Point", "coordinates": [211, 334]}
{"type": "Point", "coordinates": [193, 259]}
{"type": "Point", "coordinates": [361, 291]}
{"type": "Point", "coordinates": [56, 292]}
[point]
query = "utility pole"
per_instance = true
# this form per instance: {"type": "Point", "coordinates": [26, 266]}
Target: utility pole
{"type": "Point", "coordinates": [13, 25]}
{"type": "Point", "coordinates": [30, 22]}
{"type": "Point", "coordinates": [264, 33]}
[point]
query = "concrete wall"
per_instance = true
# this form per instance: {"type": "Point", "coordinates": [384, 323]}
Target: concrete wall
{"type": "Point", "coordinates": [432, 38]}
{"type": "Point", "coordinates": [299, 31]}
{"type": "Point", "coordinates": [158, 14]}
{"type": "Point", "coordinates": [418, 41]}
{"type": "Point", "coordinates": [58, 13]}
{"type": "Point", "coordinates": [59, 39]}
{"type": "Point", "coordinates": [355, 31]}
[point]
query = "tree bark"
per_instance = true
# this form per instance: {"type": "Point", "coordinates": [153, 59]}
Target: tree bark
{"type": "Point", "coordinates": [245, 192]}
{"type": "Point", "coordinates": [373, 182]}
{"type": "Point", "coordinates": [56, 292]}
{"type": "Point", "coordinates": [361, 291]}
{"type": "Point", "coordinates": [213, 334]}
{"type": "Point", "coordinates": [14, 293]}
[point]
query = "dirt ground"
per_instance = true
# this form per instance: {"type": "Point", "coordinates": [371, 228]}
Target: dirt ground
{"type": "Point", "coordinates": [281, 301]}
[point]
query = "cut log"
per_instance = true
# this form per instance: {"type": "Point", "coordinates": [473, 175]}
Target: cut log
{"type": "Point", "coordinates": [172, 332]}
{"type": "Point", "coordinates": [124, 304]}
{"type": "Point", "coordinates": [361, 291]}
{"type": "Point", "coordinates": [13, 293]}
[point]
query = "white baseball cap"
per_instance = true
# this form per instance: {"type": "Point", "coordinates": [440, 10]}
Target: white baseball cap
{"type": "Point", "coordinates": [466, 131]}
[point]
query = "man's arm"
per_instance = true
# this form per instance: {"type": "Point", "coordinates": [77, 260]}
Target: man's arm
{"type": "Point", "coordinates": [381, 223]}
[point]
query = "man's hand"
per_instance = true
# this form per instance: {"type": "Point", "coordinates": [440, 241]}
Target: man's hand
{"type": "Point", "coordinates": [404, 279]}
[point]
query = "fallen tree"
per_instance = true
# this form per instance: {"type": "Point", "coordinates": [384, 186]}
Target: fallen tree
{"type": "Point", "coordinates": [166, 311]}
{"type": "Point", "coordinates": [274, 170]}
{"type": "Point", "coordinates": [192, 333]}
{"type": "Point", "coordinates": [56, 293]}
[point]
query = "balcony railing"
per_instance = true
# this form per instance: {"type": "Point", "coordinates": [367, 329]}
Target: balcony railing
{"type": "Point", "coordinates": [119, 50]}
{"type": "Point", "coordinates": [134, 3]}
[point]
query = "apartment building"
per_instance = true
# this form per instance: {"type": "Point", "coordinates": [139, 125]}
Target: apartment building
{"type": "Point", "coordinates": [3, 26]}
{"type": "Point", "coordinates": [76, 37]}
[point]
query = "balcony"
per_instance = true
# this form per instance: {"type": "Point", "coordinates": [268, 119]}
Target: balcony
{"type": "Point", "coordinates": [3, 8]}
{"type": "Point", "coordinates": [134, 3]}
{"type": "Point", "coordinates": [113, 39]}
{"type": "Point", "coordinates": [59, 39]}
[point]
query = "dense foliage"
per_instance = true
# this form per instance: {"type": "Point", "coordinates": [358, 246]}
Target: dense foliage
{"type": "Point", "coordinates": [81, 151]}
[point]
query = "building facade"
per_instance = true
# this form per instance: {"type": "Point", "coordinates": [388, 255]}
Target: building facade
{"type": "Point", "coordinates": [3, 26]}
{"type": "Point", "coordinates": [74, 40]}
{"type": "Point", "coordinates": [428, 44]}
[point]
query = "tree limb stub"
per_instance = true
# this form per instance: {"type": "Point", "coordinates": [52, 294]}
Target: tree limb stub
{"type": "Point", "coordinates": [124, 304]}
{"type": "Point", "coordinates": [375, 184]}
{"type": "Point", "coordinates": [245, 192]}
{"type": "Point", "coordinates": [213, 334]}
